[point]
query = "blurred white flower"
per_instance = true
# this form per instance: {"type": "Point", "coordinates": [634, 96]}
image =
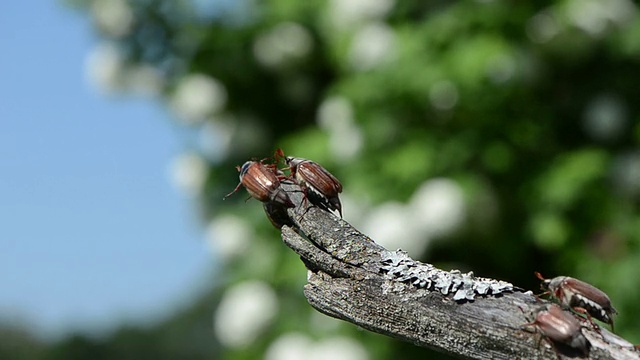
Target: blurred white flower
{"type": "Point", "coordinates": [605, 117]}
{"type": "Point", "coordinates": [338, 348]}
{"type": "Point", "coordinates": [292, 346]}
{"type": "Point", "coordinates": [352, 208]}
{"type": "Point", "coordinates": [593, 16]}
{"type": "Point", "coordinates": [286, 42]}
{"type": "Point", "coordinates": [324, 324]}
{"type": "Point", "coordinates": [443, 95]}
{"type": "Point", "coordinates": [145, 80]}
{"type": "Point", "coordinates": [229, 236]}
{"type": "Point", "coordinates": [346, 143]}
{"type": "Point", "coordinates": [245, 311]}
{"type": "Point", "coordinates": [295, 346]}
{"type": "Point", "coordinates": [105, 68]}
{"type": "Point", "coordinates": [626, 174]}
{"type": "Point", "coordinates": [501, 68]}
{"type": "Point", "coordinates": [349, 14]}
{"type": "Point", "coordinates": [113, 17]}
{"type": "Point", "coordinates": [189, 173]}
{"type": "Point", "coordinates": [588, 15]}
{"type": "Point", "coordinates": [438, 207]}
{"type": "Point", "coordinates": [372, 46]}
{"type": "Point", "coordinates": [542, 27]}
{"type": "Point", "coordinates": [215, 138]}
{"type": "Point", "coordinates": [391, 226]}
{"type": "Point", "coordinates": [335, 113]}
{"type": "Point", "coordinates": [226, 132]}
{"type": "Point", "coordinates": [198, 96]}
{"type": "Point", "coordinates": [621, 12]}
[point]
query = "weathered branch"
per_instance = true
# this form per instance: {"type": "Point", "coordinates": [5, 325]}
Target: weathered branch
{"type": "Point", "coordinates": [354, 279]}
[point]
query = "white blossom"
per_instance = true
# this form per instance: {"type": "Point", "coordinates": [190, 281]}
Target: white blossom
{"type": "Point", "coordinates": [605, 117]}
{"type": "Point", "coordinates": [338, 348]}
{"type": "Point", "coordinates": [347, 143]}
{"type": "Point", "coordinates": [501, 68]}
{"type": "Point", "coordinates": [105, 68]}
{"type": "Point", "coordinates": [443, 95]}
{"type": "Point", "coordinates": [295, 346]}
{"type": "Point", "coordinates": [292, 346]}
{"type": "Point", "coordinates": [594, 16]}
{"type": "Point", "coordinates": [286, 42]}
{"type": "Point", "coordinates": [438, 207]}
{"type": "Point", "coordinates": [144, 80]}
{"type": "Point", "coordinates": [189, 173]}
{"type": "Point", "coordinates": [391, 226]}
{"type": "Point", "coordinates": [626, 174]}
{"type": "Point", "coordinates": [229, 236]}
{"type": "Point", "coordinates": [335, 113]}
{"type": "Point", "coordinates": [215, 138]}
{"type": "Point", "coordinates": [542, 27]}
{"type": "Point", "coordinates": [198, 96]}
{"type": "Point", "coordinates": [348, 14]}
{"type": "Point", "coordinates": [245, 312]}
{"type": "Point", "coordinates": [372, 46]}
{"type": "Point", "coordinates": [114, 17]}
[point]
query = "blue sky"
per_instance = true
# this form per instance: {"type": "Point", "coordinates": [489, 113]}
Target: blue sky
{"type": "Point", "coordinates": [91, 230]}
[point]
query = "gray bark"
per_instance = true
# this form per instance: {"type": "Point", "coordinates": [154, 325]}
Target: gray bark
{"type": "Point", "coordinates": [349, 279]}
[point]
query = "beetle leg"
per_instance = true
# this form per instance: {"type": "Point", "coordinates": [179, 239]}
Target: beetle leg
{"type": "Point", "coordinates": [278, 154]}
{"type": "Point", "coordinates": [548, 292]}
{"type": "Point", "coordinates": [234, 190]}
{"type": "Point", "coordinates": [305, 199]}
{"type": "Point", "coordinates": [584, 311]}
{"type": "Point", "coordinates": [538, 335]}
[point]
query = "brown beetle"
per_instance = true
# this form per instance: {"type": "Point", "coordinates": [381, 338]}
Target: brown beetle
{"type": "Point", "coordinates": [560, 327]}
{"type": "Point", "coordinates": [320, 186]}
{"type": "Point", "coordinates": [262, 183]}
{"type": "Point", "coordinates": [580, 296]}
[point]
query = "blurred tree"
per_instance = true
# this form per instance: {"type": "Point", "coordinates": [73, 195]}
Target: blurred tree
{"type": "Point", "coordinates": [17, 344]}
{"type": "Point", "coordinates": [491, 136]}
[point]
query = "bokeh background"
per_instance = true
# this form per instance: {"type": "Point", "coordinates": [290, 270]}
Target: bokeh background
{"type": "Point", "coordinates": [489, 136]}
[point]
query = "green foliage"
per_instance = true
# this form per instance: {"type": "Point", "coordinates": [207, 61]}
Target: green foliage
{"type": "Point", "coordinates": [503, 99]}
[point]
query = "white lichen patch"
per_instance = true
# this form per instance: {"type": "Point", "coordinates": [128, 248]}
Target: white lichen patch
{"type": "Point", "coordinates": [398, 266]}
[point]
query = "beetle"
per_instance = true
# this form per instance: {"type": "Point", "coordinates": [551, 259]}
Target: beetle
{"type": "Point", "coordinates": [580, 296]}
{"type": "Point", "coordinates": [262, 183]}
{"type": "Point", "coordinates": [560, 327]}
{"type": "Point", "coordinates": [320, 186]}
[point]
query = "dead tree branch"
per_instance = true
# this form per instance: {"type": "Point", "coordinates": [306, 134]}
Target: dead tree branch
{"type": "Point", "coordinates": [354, 279]}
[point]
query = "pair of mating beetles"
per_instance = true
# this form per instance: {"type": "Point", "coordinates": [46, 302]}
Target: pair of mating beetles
{"type": "Point", "coordinates": [262, 181]}
{"type": "Point", "coordinates": [562, 327]}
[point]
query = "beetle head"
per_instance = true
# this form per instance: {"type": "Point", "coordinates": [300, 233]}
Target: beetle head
{"type": "Point", "coordinates": [293, 161]}
{"type": "Point", "coordinates": [244, 168]}
{"type": "Point", "coordinates": [544, 285]}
